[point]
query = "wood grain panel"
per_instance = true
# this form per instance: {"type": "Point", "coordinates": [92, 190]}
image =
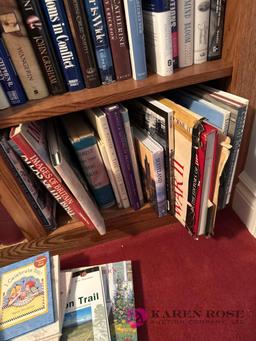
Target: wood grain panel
{"type": "Point", "coordinates": [107, 94]}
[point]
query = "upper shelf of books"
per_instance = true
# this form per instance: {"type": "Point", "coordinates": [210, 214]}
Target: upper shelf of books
{"type": "Point", "coordinates": [112, 93]}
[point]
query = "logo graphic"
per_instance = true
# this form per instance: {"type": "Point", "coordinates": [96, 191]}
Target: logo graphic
{"type": "Point", "coordinates": [136, 317]}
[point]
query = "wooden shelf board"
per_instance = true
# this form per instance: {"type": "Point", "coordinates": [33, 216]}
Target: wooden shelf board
{"type": "Point", "coordinates": [116, 92]}
{"type": "Point", "coordinates": [73, 236]}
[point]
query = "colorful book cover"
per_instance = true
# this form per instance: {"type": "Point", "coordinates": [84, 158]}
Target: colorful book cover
{"type": "Point", "coordinates": [9, 78]}
{"type": "Point", "coordinates": [151, 161]}
{"type": "Point", "coordinates": [26, 299]}
{"type": "Point", "coordinates": [62, 39]}
{"type": "Point", "coordinates": [135, 30]}
{"type": "Point", "coordinates": [99, 34]}
{"type": "Point", "coordinates": [84, 143]}
{"type": "Point", "coordinates": [116, 125]}
{"type": "Point", "coordinates": [86, 315]}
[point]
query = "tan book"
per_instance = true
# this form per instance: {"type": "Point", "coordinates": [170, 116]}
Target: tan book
{"type": "Point", "coordinates": [21, 51]}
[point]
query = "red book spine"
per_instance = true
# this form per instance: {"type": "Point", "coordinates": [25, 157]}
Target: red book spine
{"type": "Point", "coordinates": [51, 182]}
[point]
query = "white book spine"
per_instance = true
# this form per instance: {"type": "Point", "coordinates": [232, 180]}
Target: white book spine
{"type": "Point", "coordinates": [101, 125]}
{"type": "Point", "coordinates": [3, 99]}
{"type": "Point", "coordinates": [158, 41]}
{"type": "Point", "coordinates": [201, 28]}
{"type": "Point", "coordinates": [185, 32]}
{"type": "Point", "coordinates": [105, 159]}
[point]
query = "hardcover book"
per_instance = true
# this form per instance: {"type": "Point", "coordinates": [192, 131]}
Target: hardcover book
{"type": "Point", "coordinates": [9, 78]}
{"type": "Point", "coordinates": [201, 28]}
{"type": "Point", "coordinates": [116, 125]}
{"type": "Point", "coordinates": [26, 299]}
{"type": "Point", "coordinates": [62, 40]}
{"type": "Point", "coordinates": [151, 160]}
{"type": "Point", "coordinates": [78, 23]}
{"type": "Point", "coordinates": [84, 143]}
{"type": "Point", "coordinates": [115, 18]}
{"type": "Point", "coordinates": [99, 34]}
{"type": "Point", "coordinates": [4, 103]}
{"type": "Point", "coordinates": [40, 200]}
{"type": "Point", "coordinates": [135, 30]}
{"type": "Point", "coordinates": [156, 5]}
{"type": "Point", "coordinates": [30, 142]}
{"type": "Point", "coordinates": [42, 44]}
{"type": "Point", "coordinates": [21, 51]}
{"type": "Point", "coordinates": [98, 120]}
{"type": "Point", "coordinates": [174, 25]}
{"type": "Point", "coordinates": [63, 163]}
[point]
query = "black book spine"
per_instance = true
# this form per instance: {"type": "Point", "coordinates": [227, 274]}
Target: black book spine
{"type": "Point", "coordinates": [40, 39]}
{"type": "Point", "coordinates": [80, 31]}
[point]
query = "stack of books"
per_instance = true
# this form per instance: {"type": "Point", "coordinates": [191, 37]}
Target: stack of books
{"type": "Point", "coordinates": [51, 47]}
{"type": "Point", "coordinates": [41, 302]}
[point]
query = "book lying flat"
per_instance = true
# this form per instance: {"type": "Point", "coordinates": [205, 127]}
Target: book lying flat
{"type": "Point", "coordinates": [26, 298]}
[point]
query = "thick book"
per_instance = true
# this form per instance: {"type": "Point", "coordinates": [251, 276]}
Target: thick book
{"type": "Point", "coordinates": [30, 140]}
{"type": "Point", "coordinates": [100, 38]}
{"type": "Point", "coordinates": [135, 30]}
{"type": "Point", "coordinates": [216, 29]}
{"type": "Point", "coordinates": [156, 5]}
{"type": "Point", "coordinates": [9, 78]}
{"type": "Point", "coordinates": [4, 103]}
{"type": "Point", "coordinates": [151, 160]}
{"type": "Point", "coordinates": [61, 37]}
{"type": "Point", "coordinates": [174, 25]}
{"type": "Point", "coordinates": [154, 117]}
{"type": "Point", "coordinates": [115, 18]}
{"type": "Point", "coordinates": [116, 125]}
{"type": "Point", "coordinates": [38, 197]}
{"type": "Point", "coordinates": [26, 296]}
{"type": "Point", "coordinates": [86, 316]}
{"type": "Point", "coordinates": [187, 129]}
{"type": "Point", "coordinates": [185, 9]}
{"type": "Point", "coordinates": [66, 167]}
{"type": "Point", "coordinates": [78, 23]}
{"type": "Point", "coordinates": [99, 122]}
{"type": "Point", "coordinates": [158, 37]}
{"type": "Point", "coordinates": [84, 143]}
{"type": "Point", "coordinates": [201, 29]}
{"type": "Point", "coordinates": [42, 44]}
{"type": "Point", "coordinates": [21, 51]}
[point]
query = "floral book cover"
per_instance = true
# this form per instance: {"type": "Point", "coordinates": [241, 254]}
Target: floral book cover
{"type": "Point", "coordinates": [25, 296]}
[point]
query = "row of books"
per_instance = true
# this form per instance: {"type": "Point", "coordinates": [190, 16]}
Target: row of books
{"type": "Point", "coordinates": [176, 150]}
{"type": "Point", "coordinates": [41, 302]}
{"type": "Point", "coordinates": [58, 46]}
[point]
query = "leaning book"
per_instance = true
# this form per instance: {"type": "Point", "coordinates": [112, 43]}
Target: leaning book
{"type": "Point", "coordinates": [26, 299]}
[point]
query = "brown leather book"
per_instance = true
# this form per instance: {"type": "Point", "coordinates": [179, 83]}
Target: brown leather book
{"type": "Point", "coordinates": [115, 18]}
{"type": "Point", "coordinates": [21, 51]}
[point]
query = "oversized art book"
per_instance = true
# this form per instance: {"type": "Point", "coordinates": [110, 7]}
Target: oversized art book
{"type": "Point", "coordinates": [26, 300]}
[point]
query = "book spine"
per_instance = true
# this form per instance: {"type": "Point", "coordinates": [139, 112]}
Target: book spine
{"type": "Point", "coordinates": [201, 29]}
{"type": "Point", "coordinates": [80, 31]}
{"type": "Point", "coordinates": [21, 51]}
{"type": "Point", "coordinates": [50, 181]}
{"type": "Point", "coordinates": [61, 36]}
{"type": "Point", "coordinates": [135, 30]}
{"type": "Point", "coordinates": [185, 11]}
{"type": "Point", "coordinates": [99, 33]}
{"type": "Point", "coordinates": [40, 39]}
{"type": "Point", "coordinates": [118, 133]}
{"type": "Point", "coordinates": [21, 177]}
{"type": "Point", "coordinates": [158, 37]}
{"type": "Point", "coordinates": [115, 18]}
{"type": "Point", "coordinates": [91, 162]}
{"type": "Point", "coordinates": [156, 5]}
{"type": "Point", "coordinates": [216, 29]}
{"type": "Point", "coordinates": [3, 99]}
{"type": "Point", "coordinates": [175, 49]}
{"type": "Point", "coordinates": [9, 79]}
{"type": "Point", "coordinates": [160, 187]}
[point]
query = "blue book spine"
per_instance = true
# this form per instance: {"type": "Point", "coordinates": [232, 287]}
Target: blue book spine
{"type": "Point", "coordinates": [135, 30]}
{"type": "Point", "coordinates": [99, 33]}
{"type": "Point", "coordinates": [93, 167]}
{"type": "Point", "coordinates": [61, 36]}
{"type": "Point", "coordinates": [156, 5]}
{"type": "Point", "coordinates": [9, 78]}
{"type": "Point", "coordinates": [160, 187]}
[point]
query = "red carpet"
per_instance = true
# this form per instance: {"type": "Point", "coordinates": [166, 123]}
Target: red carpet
{"type": "Point", "coordinates": [191, 290]}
